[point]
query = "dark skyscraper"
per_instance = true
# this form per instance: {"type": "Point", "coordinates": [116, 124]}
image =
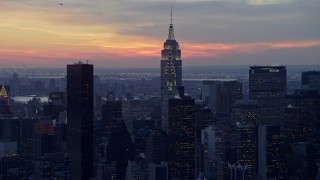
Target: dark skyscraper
{"type": "Point", "coordinates": [220, 94]}
{"type": "Point", "coordinates": [310, 78]}
{"type": "Point", "coordinates": [171, 72]}
{"type": "Point", "coordinates": [267, 85]}
{"type": "Point", "coordinates": [80, 119]}
{"type": "Point", "coordinates": [181, 138]}
{"type": "Point", "coordinates": [268, 152]}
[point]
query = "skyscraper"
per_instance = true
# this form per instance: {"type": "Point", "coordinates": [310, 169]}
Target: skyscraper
{"type": "Point", "coordinates": [245, 117]}
{"type": "Point", "coordinates": [171, 72]}
{"type": "Point", "coordinates": [268, 85]}
{"type": "Point", "coordinates": [268, 152]}
{"type": "Point", "coordinates": [310, 78]}
{"type": "Point", "coordinates": [181, 138]}
{"type": "Point", "coordinates": [80, 119]}
{"type": "Point", "coordinates": [220, 94]}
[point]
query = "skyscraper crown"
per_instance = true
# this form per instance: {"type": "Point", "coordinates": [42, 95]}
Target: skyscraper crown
{"type": "Point", "coordinates": [3, 92]}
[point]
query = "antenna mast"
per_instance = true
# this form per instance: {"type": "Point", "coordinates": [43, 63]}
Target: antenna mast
{"type": "Point", "coordinates": [171, 15]}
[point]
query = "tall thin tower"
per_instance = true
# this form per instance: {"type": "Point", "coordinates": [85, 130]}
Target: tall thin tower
{"type": "Point", "coordinates": [171, 72]}
{"type": "Point", "coordinates": [80, 119]}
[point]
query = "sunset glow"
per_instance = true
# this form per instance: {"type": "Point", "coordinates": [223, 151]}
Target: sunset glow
{"type": "Point", "coordinates": [47, 34]}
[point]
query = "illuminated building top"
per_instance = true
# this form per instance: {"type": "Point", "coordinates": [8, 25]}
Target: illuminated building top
{"type": "Point", "coordinates": [171, 71]}
{"type": "Point", "coordinates": [3, 92]}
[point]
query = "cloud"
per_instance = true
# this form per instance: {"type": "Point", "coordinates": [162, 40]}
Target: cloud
{"type": "Point", "coordinates": [268, 2]}
{"type": "Point", "coordinates": [136, 29]}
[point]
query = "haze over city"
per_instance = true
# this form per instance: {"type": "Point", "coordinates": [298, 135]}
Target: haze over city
{"type": "Point", "coordinates": [127, 33]}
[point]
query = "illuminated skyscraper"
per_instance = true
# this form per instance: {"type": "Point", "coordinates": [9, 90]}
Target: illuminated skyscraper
{"type": "Point", "coordinates": [268, 85]}
{"type": "Point", "coordinates": [245, 116]}
{"type": "Point", "coordinates": [171, 72]}
{"type": "Point", "coordinates": [181, 138]}
{"type": "Point", "coordinates": [80, 119]}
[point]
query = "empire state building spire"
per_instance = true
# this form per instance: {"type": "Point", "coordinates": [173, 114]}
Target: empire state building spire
{"type": "Point", "coordinates": [171, 72]}
{"type": "Point", "coordinates": [171, 30]}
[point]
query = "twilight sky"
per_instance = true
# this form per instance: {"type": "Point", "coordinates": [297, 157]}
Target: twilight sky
{"type": "Point", "coordinates": [130, 33]}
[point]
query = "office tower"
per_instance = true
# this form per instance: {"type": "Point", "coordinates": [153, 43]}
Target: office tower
{"type": "Point", "coordinates": [157, 155]}
{"type": "Point", "coordinates": [302, 161]}
{"type": "Point", "coordinates": [181, 137]}
{"type": "Point", "coordinates": [208, 142]}
{"type": "Point", "coordinates": [268, 152]}
{"type": "Point", "coordinates": [52, 166]}
{"type": "Point", "coordinates": [267, 85]}
{"type": "Point", "coordinates": [156, 147]}
{"type": "Point", "coordinates": [158, 171]}
{"type": "Point", "coordinates": [17, 136]}
{"type": "Point", "coordinates": [204, 117]}
{"type": "Point", "coordinates": [136, 109]}
{"type": "Point", "coordinates": [303, 117]}
{"type": "Point", "coordinates": [245, 117]}
{"type": "Point", "coordinates": [221, 94]}
{"type": "Point", "coordinates": [296, 127]}
{"type": "Point", "coordinates": [15, 167]}
{"type": "Point", "coordinates": [118, 152]}
{"type": "Point", "coordinates": [133, 171]}
{"type": "Point", "coordinates": [171, 72]}
{"type": "Point", "coordinates": [310, 78]}
{"type": "Point", "coordinates": [57, 104]}
{"type": "Point", "coordinates": [80, 119]}
{"type": "Point", "coordinates": [111, 115]}
{"type": "Point", "coordinates": [45, 140]}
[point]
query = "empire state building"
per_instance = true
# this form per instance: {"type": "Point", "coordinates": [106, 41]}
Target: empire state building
{"type": "Point", "coordinates": [171, 72]}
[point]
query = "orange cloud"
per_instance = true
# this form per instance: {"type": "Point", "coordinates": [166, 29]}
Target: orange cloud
{"type": "Point", "coordinates": [27, 38]}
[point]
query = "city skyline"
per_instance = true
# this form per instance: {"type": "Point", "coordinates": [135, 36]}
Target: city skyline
{"type": "Point", "coordinates": [130, 33]}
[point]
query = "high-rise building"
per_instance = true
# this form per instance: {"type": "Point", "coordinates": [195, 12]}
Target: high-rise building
{"type": "Point", "coordinates": [171, 72]}
{"type": "Point", "coordinates": [296, 127]}
{"type": "Point", "coordinates": [118, 152]}
{"type": "Point", "coordinates": [111, 116]}
{"type": "Point", "coordinates": [80, 119]}
{"type": "Point", "coordinates": [310, 78]}
{"type": "Point", "coordinates": [158, 171]}
{"type": "Point", "coordinates": [156, 147]}
{"type": "Point", "coordinates": [267, 85]}
{"type": "Point", "coordinates": [302, 117]}
{"type": "Point", "coordinates": [302, 161]}
{"type": "Point", "coordinates": [245, 117]}
{"type": "Point", "coordinates": [208, 142]}
{"type": "Point", "coordinates": [44, 138]}
{"type": "Point", "coordinates": [220, 94]}
{"type": "Point", "coordinates": [181, 137]}
{"type": "Point", "coordinates": [268, 152]}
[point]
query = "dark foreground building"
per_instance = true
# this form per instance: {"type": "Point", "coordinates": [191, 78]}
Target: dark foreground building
{"type": "Point", "coordinates": [181, 138]}
{"type": "Point", "coordinates": [80, 119]}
